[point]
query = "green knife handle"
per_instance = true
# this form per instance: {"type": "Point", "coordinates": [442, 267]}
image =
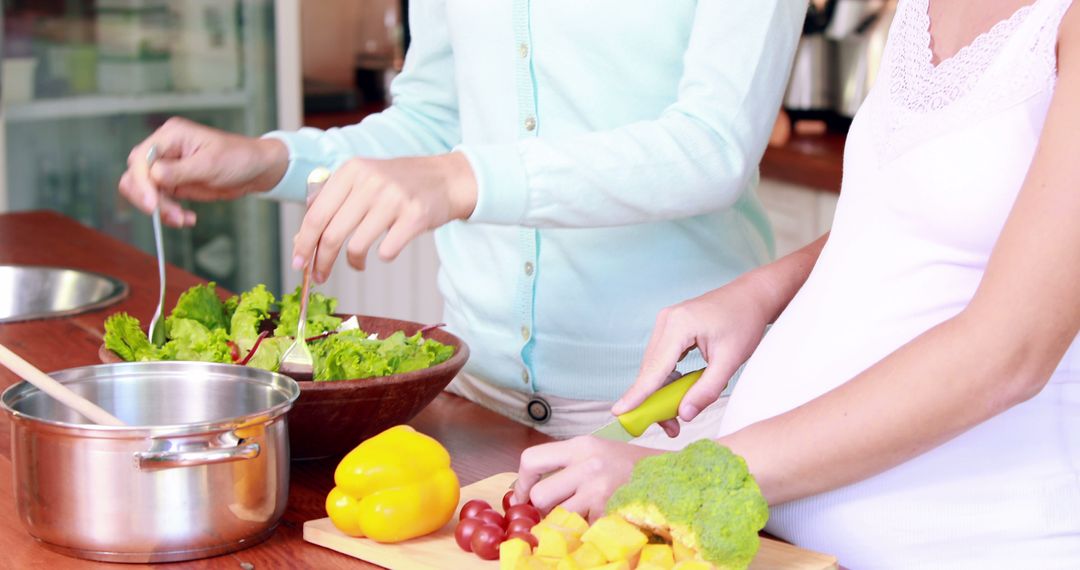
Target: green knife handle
{"type": "Point", "coordinates": [662, 405]}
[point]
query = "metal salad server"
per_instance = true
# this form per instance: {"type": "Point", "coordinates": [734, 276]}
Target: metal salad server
{"type": "Point", "coordinates": [156, 332]}
{"type": "Point", "coordinates": [297, 360]}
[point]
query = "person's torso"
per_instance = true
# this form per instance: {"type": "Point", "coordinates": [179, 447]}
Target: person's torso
{"type": "Point", "coordinates": [933, 164]}
{"type": "Point", "coordinates": [568, 311]}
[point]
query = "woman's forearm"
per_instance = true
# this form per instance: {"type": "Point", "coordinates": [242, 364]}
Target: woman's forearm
{"type": "Point", "coordinates": [939, 385]}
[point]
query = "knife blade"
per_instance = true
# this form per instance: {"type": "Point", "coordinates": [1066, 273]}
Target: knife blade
{"type": "Point", "coordinates": [662, 405]}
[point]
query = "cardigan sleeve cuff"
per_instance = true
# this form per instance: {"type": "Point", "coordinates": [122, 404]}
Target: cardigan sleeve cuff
{"type": "Point", "coordinates": [302, 160]}
{"type": "Point", "coordinates": [502, 188]}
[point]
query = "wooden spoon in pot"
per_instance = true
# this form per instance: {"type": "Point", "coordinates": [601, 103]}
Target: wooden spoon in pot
{"type": "Point", "coordinates": [61, 393]}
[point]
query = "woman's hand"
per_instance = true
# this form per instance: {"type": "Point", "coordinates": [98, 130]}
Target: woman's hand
{"type": "Point", "coordinates": [401, 197]}
{"type": "Point", "coordinates": [199, 163]}
{"type": "Point", "coordinates": [579, 474]}
{"type": "Point", "coordinates": [725, 324]}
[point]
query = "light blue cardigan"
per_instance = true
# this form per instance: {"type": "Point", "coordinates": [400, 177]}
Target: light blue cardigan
{"type": "Point", "coordinates": [616, 146]}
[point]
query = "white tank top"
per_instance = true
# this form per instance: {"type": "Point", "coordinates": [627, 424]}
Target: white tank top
{"type": "Point", "coordinates": [933, 164]}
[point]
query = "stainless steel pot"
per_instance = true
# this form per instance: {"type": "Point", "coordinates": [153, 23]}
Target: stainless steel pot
{"type": "Point", "coordinates": [201, 469]}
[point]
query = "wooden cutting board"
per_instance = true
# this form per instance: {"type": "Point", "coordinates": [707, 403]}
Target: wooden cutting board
{"type": "Point", "coordinates": [440, 551]}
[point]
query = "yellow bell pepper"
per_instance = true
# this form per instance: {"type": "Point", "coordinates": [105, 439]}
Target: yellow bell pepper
{"type": "Point", "coordinates": [395, 486]}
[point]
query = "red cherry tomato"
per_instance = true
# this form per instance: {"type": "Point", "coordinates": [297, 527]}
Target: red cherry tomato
{"type": "Point", "coordinates": [464, 532]}
{"type": "Point", "coordinates": [472, 508]}
{"type": "Point", "coordinates": [486, 540]}
{"type": "Point", "coordinates": [526, 536]}
{"type": "Point", "coordinates": [519, 525]}
{"type": "Point", "coordinates": [491, 517]}
{"type": "Point", "coordinates": [508, 500]}
{"type": "Point", "coordinates": [523, 512]}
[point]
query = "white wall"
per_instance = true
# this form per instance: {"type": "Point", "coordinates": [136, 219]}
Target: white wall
{"type": "Point", "coordinates": [799, 214]}
{"type": "Point", "coordinates": [402, 289]}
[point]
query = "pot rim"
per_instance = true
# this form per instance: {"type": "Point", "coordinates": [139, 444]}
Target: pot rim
{"type": "Point", "coordinates": [22, 389]}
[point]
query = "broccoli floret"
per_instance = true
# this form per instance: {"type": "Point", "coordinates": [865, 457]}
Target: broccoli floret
{"type": "Point", "coordinates": [702, 497]}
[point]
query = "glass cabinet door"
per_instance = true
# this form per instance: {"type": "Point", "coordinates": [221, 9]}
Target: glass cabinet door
{"type": "Point", "coordinates": [85, 80]}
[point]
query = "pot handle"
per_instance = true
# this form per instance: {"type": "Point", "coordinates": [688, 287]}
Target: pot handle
{"type": "Point", "coordinates": [151, 460]}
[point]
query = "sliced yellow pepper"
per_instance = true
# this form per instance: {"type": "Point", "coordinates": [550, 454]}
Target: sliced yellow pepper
{"type": "Point", "coordinates": [395, 486]}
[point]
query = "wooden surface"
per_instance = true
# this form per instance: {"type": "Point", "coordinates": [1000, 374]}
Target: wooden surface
{"type": "Point", "coordinates": [481, 443]}
{"type": "Point", "coordinates": [328, 120]}
{"type": "Point", "coordinates": [440, 551]}
{"type": "Point", "coordinates": [808, 160]}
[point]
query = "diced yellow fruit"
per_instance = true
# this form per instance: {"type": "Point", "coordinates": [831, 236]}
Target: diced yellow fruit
{"type": "Point", "coordinates": [620, 565]}
{"type": "Point", "coordinates": [512, 553]}
{"type": "Point", "coordinates": [650, 566]}
{"type": "Point", "coordinates": [682, 552]}
{"type": "Point", "coordinates": [567, 519]}
{"type": "Point", "coordinates": [542, 563]}
{"type": "Point", "coordinates": [567, 563]}
{"type": "Point", "coordinates": [588, 556]}
{"type": "Point", "coordinates": [659, 555]}
{"type": "Point", "coordinates": [616, 538]}
{"type": "Point", "coordinates": [692, 565]}
{"type": "Point", "coordinates": [555, 541]}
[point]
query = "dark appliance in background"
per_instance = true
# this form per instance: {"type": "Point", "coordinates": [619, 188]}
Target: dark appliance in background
{"type": "Point", "coordinates": [406, 36]}
{"type": "Point", "coordinates": [837, 60]}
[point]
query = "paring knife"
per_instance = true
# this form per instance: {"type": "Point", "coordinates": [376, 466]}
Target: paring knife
{"type": "Point", "coordinates": [662, 405]}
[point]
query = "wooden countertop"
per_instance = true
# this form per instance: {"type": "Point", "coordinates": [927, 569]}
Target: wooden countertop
{"type": "Point", "coordinates": [481, 442]}
{"type": "Point", "coordinates": [807, 160]}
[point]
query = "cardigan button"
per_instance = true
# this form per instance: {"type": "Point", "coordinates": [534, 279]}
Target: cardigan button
{"type": "Point", "coordinates": [539, 410]}
{"type": "Point", "coordinates": [530, 124]}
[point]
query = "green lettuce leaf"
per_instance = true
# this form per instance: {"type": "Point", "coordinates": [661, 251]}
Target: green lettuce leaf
{"type": "Point", "coordinates": [125, 337]}
{"type": "Point", "coordinates": [230, 305]}
{"type": "Point", "coordinates": [320, 317]}
{"type": "Point", "coordinates": [201, 304]}
{"type": "Point", "coordinates": [252, 310]}
{"type": "Point", "coordinates": [268, 356]}
{"type": "Point", "coordinates": [191, 340]}
{"type": "Point", "coordinates": [350, 355]}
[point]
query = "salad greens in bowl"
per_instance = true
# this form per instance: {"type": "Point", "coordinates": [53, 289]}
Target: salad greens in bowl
{"type": "Point", "coordinates": [242, 330]}
{"type": "Point", "coordinates": [370, 373]}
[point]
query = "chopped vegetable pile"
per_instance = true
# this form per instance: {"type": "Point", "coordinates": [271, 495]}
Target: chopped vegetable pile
{"type": "Point", "coordinates": [206, 328]}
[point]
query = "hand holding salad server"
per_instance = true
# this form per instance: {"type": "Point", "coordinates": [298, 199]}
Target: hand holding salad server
{"type": "Point", "coordinates": [364, 199]}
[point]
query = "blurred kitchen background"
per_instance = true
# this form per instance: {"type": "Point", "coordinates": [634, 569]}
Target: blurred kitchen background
{"type": "Point", "coordinates": [85, 80]}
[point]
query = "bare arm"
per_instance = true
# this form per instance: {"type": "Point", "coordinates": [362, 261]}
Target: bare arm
{"type": "Point", "coordinates": [995, 354]}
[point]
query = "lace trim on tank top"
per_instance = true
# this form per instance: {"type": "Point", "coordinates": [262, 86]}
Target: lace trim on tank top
{"type": "Point", "coordinates": [1005, 65]}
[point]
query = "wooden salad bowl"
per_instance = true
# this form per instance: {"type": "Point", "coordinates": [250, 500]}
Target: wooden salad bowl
{"type": "Point", "coordinates": [332, 417]}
